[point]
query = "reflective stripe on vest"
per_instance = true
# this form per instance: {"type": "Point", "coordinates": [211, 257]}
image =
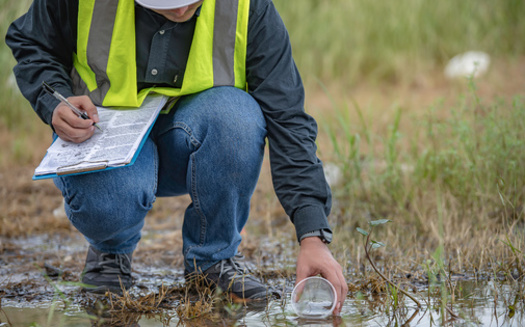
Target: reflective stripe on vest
{"type": "Point", "coordinates": [105, 62]}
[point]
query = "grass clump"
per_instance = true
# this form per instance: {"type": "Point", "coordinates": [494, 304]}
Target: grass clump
{"type": "Point", "coordinates": [196, 302]}
{"type": "Point", "coordinates": [190, 302]}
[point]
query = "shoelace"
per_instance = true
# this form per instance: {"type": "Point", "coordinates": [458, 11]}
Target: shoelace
{"type": "Point", "coordinates": [107, 263]}
{"type": "Point", "coordinates": [235, 269]}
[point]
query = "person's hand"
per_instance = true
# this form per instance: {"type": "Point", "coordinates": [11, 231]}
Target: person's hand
{"type": "Point", "coordinates": [69, 126]}
{"type": "Point", "coordinates": [316, 259]}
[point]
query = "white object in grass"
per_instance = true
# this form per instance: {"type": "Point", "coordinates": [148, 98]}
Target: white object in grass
{"type": "Point", "coordinates": [333, 174]}
{"type": "Point", "coordinates": [471, 63]}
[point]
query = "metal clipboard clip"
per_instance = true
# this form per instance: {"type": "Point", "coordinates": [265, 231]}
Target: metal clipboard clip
{"type": "Point", "coordinates": [82, 167]}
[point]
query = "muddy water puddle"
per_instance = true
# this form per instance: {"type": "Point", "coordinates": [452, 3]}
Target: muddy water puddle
{"type": "Point", "coordinates": [485, 303]}
{"type": "Point", "coordinates": [39, 287]}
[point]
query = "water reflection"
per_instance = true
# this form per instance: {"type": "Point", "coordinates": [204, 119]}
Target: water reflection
{"type": "Point", "coordinates": [474, 303]}
{"type": "Point", "coordinates": [328, 322]}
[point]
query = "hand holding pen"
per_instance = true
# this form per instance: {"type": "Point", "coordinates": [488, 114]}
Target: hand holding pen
{"type": "Point", "coordinates": [65, 116]}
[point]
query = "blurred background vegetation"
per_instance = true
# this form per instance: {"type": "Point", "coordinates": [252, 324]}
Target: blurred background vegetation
{"type": "Point", "coordinates": [400, 161]}
{"type": "Point", "coordinates": [349, 40]}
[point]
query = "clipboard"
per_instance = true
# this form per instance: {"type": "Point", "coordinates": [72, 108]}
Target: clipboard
{"type": "Point", "coordinates": [150, 110]}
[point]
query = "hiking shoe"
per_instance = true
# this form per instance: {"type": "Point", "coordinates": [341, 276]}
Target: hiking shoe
{"type": "Point", "coordinates": [106, 272]}
{"type": "Point", "coordinates": [233, 277]}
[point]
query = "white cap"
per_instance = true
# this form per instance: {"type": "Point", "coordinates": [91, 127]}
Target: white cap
{"type": "Point", "coordinates": [165, 4]}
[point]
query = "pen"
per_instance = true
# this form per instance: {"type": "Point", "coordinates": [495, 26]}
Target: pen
{"type": "Point", "coordinates": [60, 97]}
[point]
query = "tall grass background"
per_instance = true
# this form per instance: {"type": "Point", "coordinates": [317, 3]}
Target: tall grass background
{"type": "Point", "coordinates": [450, 174]}
{"type": "Point", "coordinates": [17, 120]}
{"type": "Point", "coordinates": [349, 40]}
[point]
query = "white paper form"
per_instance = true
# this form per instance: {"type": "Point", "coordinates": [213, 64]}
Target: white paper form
{"type": "Point", "coordinates": [123, 132]}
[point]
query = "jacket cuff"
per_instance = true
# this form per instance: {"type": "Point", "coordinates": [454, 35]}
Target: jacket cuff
{"type": "Point", "coordinates": [48, 104]}
{"type": "Point", "coordinates": [308, 219]}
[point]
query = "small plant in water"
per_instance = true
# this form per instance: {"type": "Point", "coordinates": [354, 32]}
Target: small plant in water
{"type": "Point", "coordinates": [518, 257]}
{"type": "Point", "coordinates": [370, 245]}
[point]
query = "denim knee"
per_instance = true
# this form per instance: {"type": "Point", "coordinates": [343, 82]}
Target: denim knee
{"type": "Point", "coordinates": [222, 130]}
{"type": "Point", "coordinates": [222, 112]}
{"type": "Point", "coordinates": [232, 118]}
{"type": "Point", "coordinates": [235, 134]}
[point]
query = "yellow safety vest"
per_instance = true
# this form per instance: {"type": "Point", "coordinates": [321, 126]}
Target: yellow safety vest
{"type": "Point", "coordinates": [105, 63]}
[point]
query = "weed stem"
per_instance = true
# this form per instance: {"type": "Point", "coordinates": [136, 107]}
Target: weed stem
{"type": "Point", "coordinates": [384, 277]}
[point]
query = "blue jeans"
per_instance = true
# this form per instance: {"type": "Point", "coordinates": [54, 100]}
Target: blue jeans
{"type": "Point", "coordinates": [209, 146]}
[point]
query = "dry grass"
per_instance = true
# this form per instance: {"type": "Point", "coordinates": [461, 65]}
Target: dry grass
{"type": "Point", "coordinates": [195, 303]}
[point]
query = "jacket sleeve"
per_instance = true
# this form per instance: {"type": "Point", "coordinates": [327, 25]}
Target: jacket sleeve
{"type": "Point", "coordinates": [273, 80]}
{"type": "Point", "coordinates": [43, 41]}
